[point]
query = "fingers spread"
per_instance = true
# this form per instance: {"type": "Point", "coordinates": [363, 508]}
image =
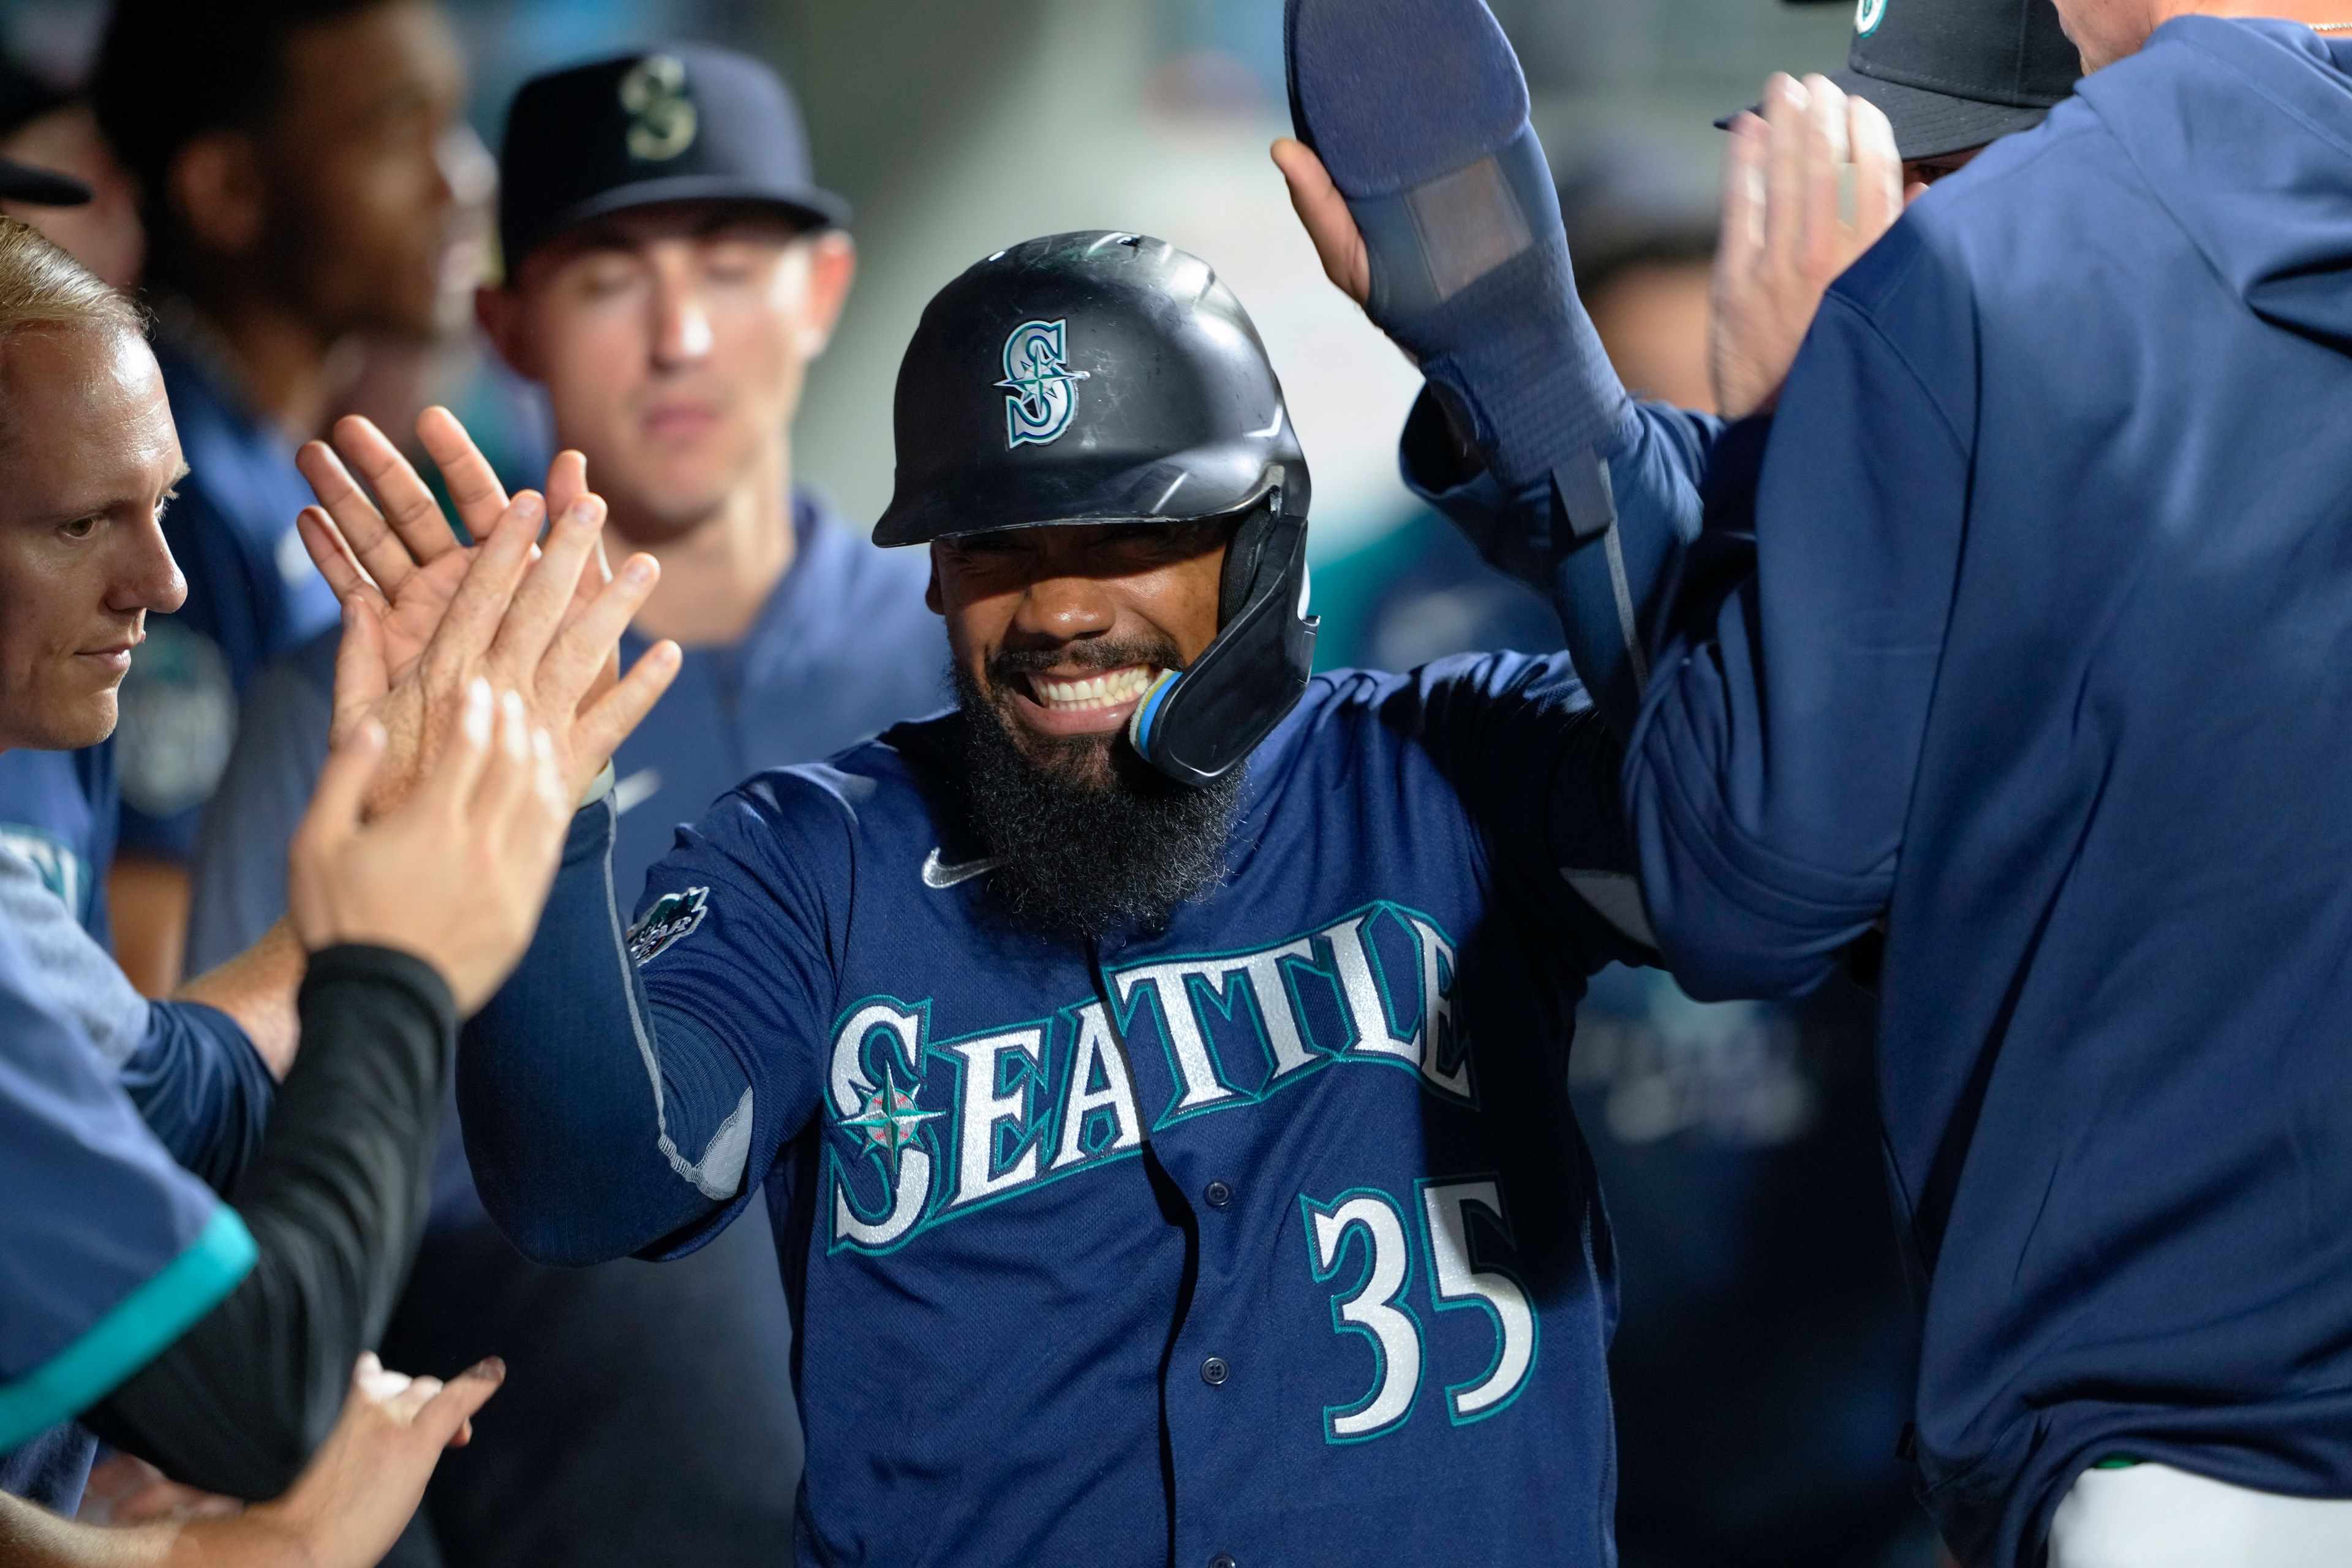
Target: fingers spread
{"type": "Point", "coordinates": [324, 543]}
{"type": "Point", "coordinates": [480, 602]}
{"type": "Point", "coordinates": [408, 504]}
{"type": "Point", "coordinates": [582, 650]}
{"type": "Point", "coordinates": [610, 719]}
{"type": "Point", "coordinates": [370, 539]}
{"type": "Point", "coordinates": [1824, 149]}
{"type": "Point", "coordinates": [547, 590]}
{"type": "Point", "coordinates": [474, 488]}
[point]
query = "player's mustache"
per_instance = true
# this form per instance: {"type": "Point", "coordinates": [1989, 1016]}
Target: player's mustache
{"type": "Point", "coordinates": [1160, 653]}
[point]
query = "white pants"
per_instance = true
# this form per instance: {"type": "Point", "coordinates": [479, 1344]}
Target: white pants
{"type": "Point", "coordinates": [2153, 1516]}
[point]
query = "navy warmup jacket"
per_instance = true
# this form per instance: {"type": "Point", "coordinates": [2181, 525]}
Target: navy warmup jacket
{"type": "Point", "coordinates": [2035, 650]}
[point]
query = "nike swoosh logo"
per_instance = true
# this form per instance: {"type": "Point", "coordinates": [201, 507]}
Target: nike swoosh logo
{"type": "Point", "coordinates": [937, 873]}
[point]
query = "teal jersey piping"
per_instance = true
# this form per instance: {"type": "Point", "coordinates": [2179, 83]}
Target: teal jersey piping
{"type": "Point", "coordinates": [134, 1333]}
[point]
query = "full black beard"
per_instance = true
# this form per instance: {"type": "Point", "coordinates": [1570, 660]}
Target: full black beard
{"type": "Point", "coordinates": [1089, 847]}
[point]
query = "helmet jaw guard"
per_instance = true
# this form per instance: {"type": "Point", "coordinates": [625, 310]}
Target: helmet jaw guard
{"type": "Point", "coordinates": [1196, 723]}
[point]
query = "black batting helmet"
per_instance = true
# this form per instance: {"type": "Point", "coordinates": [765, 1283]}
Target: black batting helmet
{"type": "Point", "coordinates": [1108, 377]}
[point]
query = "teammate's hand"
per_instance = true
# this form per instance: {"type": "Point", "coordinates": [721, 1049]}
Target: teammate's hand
{"type": "Point", "coordinates": [353, 1498]}
{"type": "Point", "coordinates": [544, 621]}
{"type": "Point", "coordinates": [458, 872]}
{"type": "Point", "coordinates": [1323, 212]}
{"type": "Point", "coordinates": [1807, 189]}
{"type": "Point", "coordinates": [405, 562]}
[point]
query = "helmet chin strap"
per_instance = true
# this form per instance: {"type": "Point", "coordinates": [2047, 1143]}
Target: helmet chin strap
{"type": "Point", "coordinates": [1195, 724]}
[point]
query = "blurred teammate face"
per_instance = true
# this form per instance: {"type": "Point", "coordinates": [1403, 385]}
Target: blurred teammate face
{"type": "Point", "coordinates": [87, 456]}
{"type": "Point", "coordinates": [343, 199]}
{"type": "Point", "coordinates": [1651, 319]}
{"type": "Point", "coordinates": [103, 233]}
{"type": "Point", "coordinates": [673, 341]}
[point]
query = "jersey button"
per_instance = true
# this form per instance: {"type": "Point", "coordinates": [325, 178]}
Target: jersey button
{"type": "Point", "coordinates": [1218, 1194]}
{"type": "Point", "coordinates": [1221, 1561]}
{"type": "Point", "coordinates": [1213, 1372]}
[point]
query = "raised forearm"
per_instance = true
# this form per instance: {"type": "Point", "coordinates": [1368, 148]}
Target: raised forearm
{"type": "Point", "coordinates": [590, 1117]}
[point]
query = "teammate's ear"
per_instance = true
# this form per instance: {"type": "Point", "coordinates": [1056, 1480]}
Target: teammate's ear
{"type": "Point", "coordinates": [931, 599]}
{"type": "Point", "coordinates": [217, 192]}
{"type": "Point", "coordinates": [500, 313]}
{"type": "Point", "coordinates": [833, 268]}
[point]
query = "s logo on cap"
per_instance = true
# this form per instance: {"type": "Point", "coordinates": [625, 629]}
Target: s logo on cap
{"type": "Point", "coordinates": [662, 121]}
{"type": "Point", "coordinates": [1867, 14]}
{"type": "Point", "coordinates": [1041, 392]}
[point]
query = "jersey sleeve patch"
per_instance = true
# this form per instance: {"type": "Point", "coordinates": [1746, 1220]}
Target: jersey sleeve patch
{"type": "Point", "coordinates": [671, 919]}
{"type": "Point", "coordinates": [139, 1328]}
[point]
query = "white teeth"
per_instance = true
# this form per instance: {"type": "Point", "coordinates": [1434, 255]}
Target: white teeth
{"type": "Point", "coordinates": [1095, 692]}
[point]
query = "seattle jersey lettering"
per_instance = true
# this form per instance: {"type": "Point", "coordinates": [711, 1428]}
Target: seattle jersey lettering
{"type": "Point", "coordinates": [928, 1131]}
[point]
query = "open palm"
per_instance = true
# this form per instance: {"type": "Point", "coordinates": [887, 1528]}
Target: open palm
{"type": "Point", "coordinates": [405, 561]}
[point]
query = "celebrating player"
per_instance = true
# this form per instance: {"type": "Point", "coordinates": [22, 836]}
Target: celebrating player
{"type": "Point", "coordinates": [1985, 662]}
{"type": "Point", "coordinates": [1156, 1066]}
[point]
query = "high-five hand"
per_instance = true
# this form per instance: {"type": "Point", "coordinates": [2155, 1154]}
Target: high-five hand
{"type": "Point", "coordinates": [1807, 189]}
{"type": "Point", "coordinates": [404, 561]}
{"type": "Point", "coordinates": [541, 619]}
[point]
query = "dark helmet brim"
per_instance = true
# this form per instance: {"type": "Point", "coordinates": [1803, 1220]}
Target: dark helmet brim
{"type": "Point", "coordinates": [1215, 480]}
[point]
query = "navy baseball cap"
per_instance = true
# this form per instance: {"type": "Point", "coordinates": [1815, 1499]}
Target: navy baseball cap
{"type": "Point", "coordinates": [23, 183]}
{"type": "Point", "coordinates": [1955, 74]}
{"type": "Point", "coordinates": [677, 123]}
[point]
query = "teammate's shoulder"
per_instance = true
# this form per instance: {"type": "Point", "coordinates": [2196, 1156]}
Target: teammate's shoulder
{"type": "Point", "coordinates": [878, 780]}
{"type": "Point", "coordinates": [1403, 700]}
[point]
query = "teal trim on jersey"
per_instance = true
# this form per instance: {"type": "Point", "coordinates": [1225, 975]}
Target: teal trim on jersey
{"type": "Point", "coordinates": [137, 1330]}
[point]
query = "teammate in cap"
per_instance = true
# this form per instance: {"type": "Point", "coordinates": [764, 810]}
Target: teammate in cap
{"type": "Point", "coordinates": [2026, 618]}
{"type": "Point", "coordinates": [672, 269]}
{"type": "Point", "coordinates": [1155, 1067]}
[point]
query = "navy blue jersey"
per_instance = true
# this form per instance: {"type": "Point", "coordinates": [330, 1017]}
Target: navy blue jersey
{"type": "Point", "coordinates": [108, 1251]}
{"type": "Point", "coordinates": [57, 810]}
{"type": "Point", "coordinates": [252, 593]}
{"type": "Point", "coordinates": [1272, 1230]}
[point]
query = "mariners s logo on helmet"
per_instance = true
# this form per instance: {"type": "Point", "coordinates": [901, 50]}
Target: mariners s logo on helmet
{"type": "Point", "coordinates": [1867, 14]}
{"type": "Point", "coordinates": [1041, 392]}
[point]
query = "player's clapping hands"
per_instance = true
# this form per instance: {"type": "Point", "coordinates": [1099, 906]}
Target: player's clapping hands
{"type": "Point", "coordinates": [425, 614]}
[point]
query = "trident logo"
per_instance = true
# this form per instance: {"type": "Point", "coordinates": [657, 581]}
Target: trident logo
{"type": "Point", "coordinates": [1039, 393]}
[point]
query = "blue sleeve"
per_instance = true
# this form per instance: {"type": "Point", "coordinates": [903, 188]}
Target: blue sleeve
{"type": "Point", "coordinates": [108, 1251]}
{"type": "Point", "coordinates": [238, 878]}
{"type": "Point", "coordinates": [1769, 779]}
{"type": "Point", "coordinates": [612, 1100]}
{"type": "Point", "coordinates": [1599, 537]}
{"type": "Point", "coordinates": [1537, 768]}
{"type": "Point", "coordinates": [202, 1088]}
